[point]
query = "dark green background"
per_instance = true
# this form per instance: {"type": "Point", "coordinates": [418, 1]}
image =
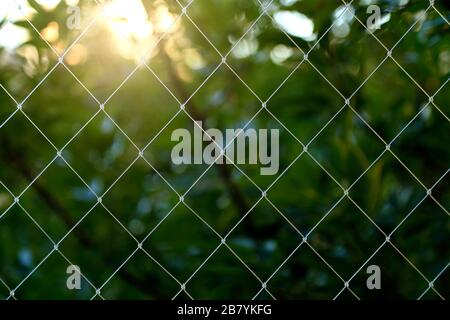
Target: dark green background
{"type": "Point", "coordinates": [304, 194]}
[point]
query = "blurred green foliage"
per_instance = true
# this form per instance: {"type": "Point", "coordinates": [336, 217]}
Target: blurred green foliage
{"type": "Point", "coordinates": [345, 148]}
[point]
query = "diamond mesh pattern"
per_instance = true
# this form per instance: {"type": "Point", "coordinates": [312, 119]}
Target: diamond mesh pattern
{"type": "Point", "coordinates": [182, 200]}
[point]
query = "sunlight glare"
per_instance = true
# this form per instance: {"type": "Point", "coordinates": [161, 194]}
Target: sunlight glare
{"type": "Point", "coordinates": [130, 17]}
{"type": "Point", "coordinates": [130, 20]}
{"type": "Point", "coordinates": [164, 19]}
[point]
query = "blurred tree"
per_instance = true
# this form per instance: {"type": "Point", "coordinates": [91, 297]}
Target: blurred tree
{"type": "Point", "coordinates": [183, 54]}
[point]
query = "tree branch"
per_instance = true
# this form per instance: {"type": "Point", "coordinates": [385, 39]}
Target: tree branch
{"type": "Point", "coordinates": [237, 196]}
